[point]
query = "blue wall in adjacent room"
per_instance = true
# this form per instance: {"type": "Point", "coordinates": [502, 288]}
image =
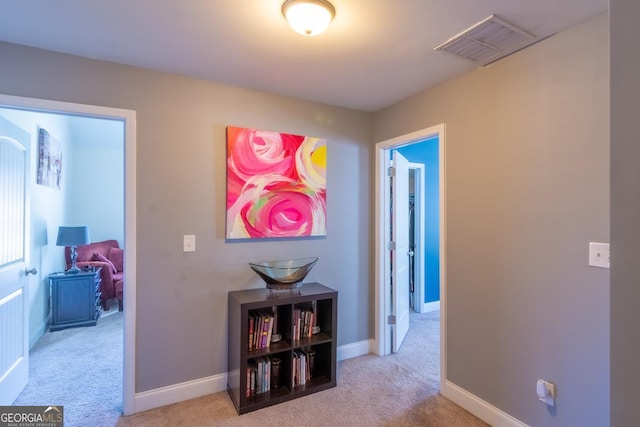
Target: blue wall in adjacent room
{"type": "Point", "coordinates": [426, 152]}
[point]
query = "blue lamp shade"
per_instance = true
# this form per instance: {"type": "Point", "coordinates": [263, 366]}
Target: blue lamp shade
{"type": "Point", "coordinates": [73, 236]}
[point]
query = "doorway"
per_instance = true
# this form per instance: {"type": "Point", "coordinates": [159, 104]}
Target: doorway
{"type": "Point", "coordinates": [383, 303]}
{"type": "Point", "coordinates": [127, 117]}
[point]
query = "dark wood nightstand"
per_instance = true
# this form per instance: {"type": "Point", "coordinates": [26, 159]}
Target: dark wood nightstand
{"type": "Point", "coordinates": [75, 299]}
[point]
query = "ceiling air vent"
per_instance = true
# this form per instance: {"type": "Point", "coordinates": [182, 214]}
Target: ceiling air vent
{"type": "Point", "coordinates": [487, 41]}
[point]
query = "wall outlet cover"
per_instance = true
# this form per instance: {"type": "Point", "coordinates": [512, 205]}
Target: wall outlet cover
{"type": "Point", "coordinates": [599, 255]}
{"type": "Point", "coordinates": [189, 243]}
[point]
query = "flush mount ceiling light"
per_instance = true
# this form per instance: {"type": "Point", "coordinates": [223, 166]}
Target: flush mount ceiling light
{"type": "Point", "coordinates": [308, 17]}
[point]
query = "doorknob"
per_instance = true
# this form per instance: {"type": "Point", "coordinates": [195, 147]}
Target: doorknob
{"type": "Point", "coordinates": [32, 271]}
{"type": "Point", "coordinates": [410, 253]}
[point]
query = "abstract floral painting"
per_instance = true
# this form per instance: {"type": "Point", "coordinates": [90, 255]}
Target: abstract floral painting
{"type": "Point", "coordinates": [276, 184]}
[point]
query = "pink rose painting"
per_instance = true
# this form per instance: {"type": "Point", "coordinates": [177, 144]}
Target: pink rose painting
{"type": "Point", "coordinates": [276, 184]}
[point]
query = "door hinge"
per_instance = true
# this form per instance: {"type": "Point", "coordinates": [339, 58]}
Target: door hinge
{"type": "Point", "coordinates": [391, 171]}
{"type": "Point", "coordinates": [391, 320]}
{"type": "Point", "coordinates": [391, 246]}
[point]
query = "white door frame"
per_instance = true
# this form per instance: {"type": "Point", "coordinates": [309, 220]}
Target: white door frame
{"type": "Point", "coordinates": [129, 119]}
{"type": "Point", "coordinates": [382, 339]}
{"type": "Point", "coordinates": [418, 251]}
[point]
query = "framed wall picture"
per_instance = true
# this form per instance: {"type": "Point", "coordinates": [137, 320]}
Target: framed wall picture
{"type": "Point", "coordinates": [276, 185]}
{"type": "Point", "coordinates": [49, 160]}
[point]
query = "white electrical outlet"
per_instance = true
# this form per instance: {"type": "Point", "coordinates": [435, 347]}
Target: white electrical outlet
{"type": "Point", "coordinates": [189, 243]}
{"type": "Point", "coordinates": [599, 255]}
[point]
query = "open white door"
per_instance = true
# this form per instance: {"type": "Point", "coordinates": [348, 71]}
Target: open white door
{"type": "Point", "coordinates": [418, 170]}
{"type": "Point", "coordinates": [14, 216]}
{"type": "Point", "coordinates": [400, 249]}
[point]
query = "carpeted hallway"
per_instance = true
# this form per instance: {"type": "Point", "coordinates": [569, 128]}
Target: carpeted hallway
{"type": "Point", "coordinates": [80, 369]}
{"type": "Point", "coordinates": [68, 368]}
{"type": "Point", "coordinates": [397, 390]}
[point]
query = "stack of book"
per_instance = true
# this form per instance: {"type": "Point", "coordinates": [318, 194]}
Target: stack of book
{"type": "Point", "coordinates": [261, 327]}
{"type": "Point", "coordinates": [302, 367]}
{"type": "Point", "coordinates": [258, 376]}
{"type": "Point", "coordinates": [304, 318]}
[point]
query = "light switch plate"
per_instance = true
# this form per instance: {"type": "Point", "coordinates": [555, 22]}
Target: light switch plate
{"type": "Point", "coordinates": [189, 243]}
{"type": "Point", "coordinates": [599, 254]}
{"type": "Point", "coordinates": [546, 392]}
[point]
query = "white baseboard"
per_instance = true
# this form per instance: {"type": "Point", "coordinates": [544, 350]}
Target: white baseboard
{"type": "Point", "coordinates": [349, 351]}
{"type": "Point", "coordinates": [478, 407]}
{"type": "Point", "coordinates": [201, 387]}
{"type": "Point", "coordinates": [428, 307]}
{"type": "Point", "coordinates": [216, 383]}
{"type": "Point", "coordinates": [179, 392]}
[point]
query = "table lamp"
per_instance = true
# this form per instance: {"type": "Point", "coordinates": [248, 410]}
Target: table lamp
{"type": "Point", "coordinates": [73, 236]}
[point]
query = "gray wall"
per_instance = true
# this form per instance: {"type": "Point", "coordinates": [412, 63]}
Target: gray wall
{"type": "Point", "coordinates": [625, 213]}
{"type": "Point", "coordinates": [527, 188]}
{"type": "Point", "coordinates": [182, 297]}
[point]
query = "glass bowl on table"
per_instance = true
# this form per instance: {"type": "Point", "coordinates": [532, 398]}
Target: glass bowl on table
{"type": "Point", "coordinates": [284, 275]}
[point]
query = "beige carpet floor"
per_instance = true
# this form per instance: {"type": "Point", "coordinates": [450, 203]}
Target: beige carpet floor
{"type": "Point", "coordinates": [80, 369]}
{"type": "Point", "coordinates": [396, 390]}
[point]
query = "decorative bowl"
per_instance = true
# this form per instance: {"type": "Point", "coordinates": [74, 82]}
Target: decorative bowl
{"type": "Point", "coordinates": [284, 275]}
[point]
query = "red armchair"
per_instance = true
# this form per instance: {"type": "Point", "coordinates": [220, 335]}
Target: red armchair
{"type": "Point", "coordinates": [110, 257]}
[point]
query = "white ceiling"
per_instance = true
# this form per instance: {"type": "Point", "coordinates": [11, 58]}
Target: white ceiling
{"type": "Point", "coordinates": [375, 52]}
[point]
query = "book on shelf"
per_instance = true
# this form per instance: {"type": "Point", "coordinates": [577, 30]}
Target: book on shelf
{"type": "Point", "coordinates": [252, 371]}
{"type": "Point", "coordinates": [258, 376]}
{"type": "Point", "coordinates": [251, 331]}
{"type": "Point", "coordinates": [258, 334]}
{"type": "Point", "coordinates": [266, 326]}
{"type": "Point", "coordinates": [304, 319]}
{"type": "Point", "coordinates": [256, 328]}
{"type": "Point", "coordinates": [295, 380]}
{"type": "Point", "coordinates": [267, 376]}
{"type": "Point", "coordinates": [301, 367]}
{"type": "Point", "coordinates": [260, 330]}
